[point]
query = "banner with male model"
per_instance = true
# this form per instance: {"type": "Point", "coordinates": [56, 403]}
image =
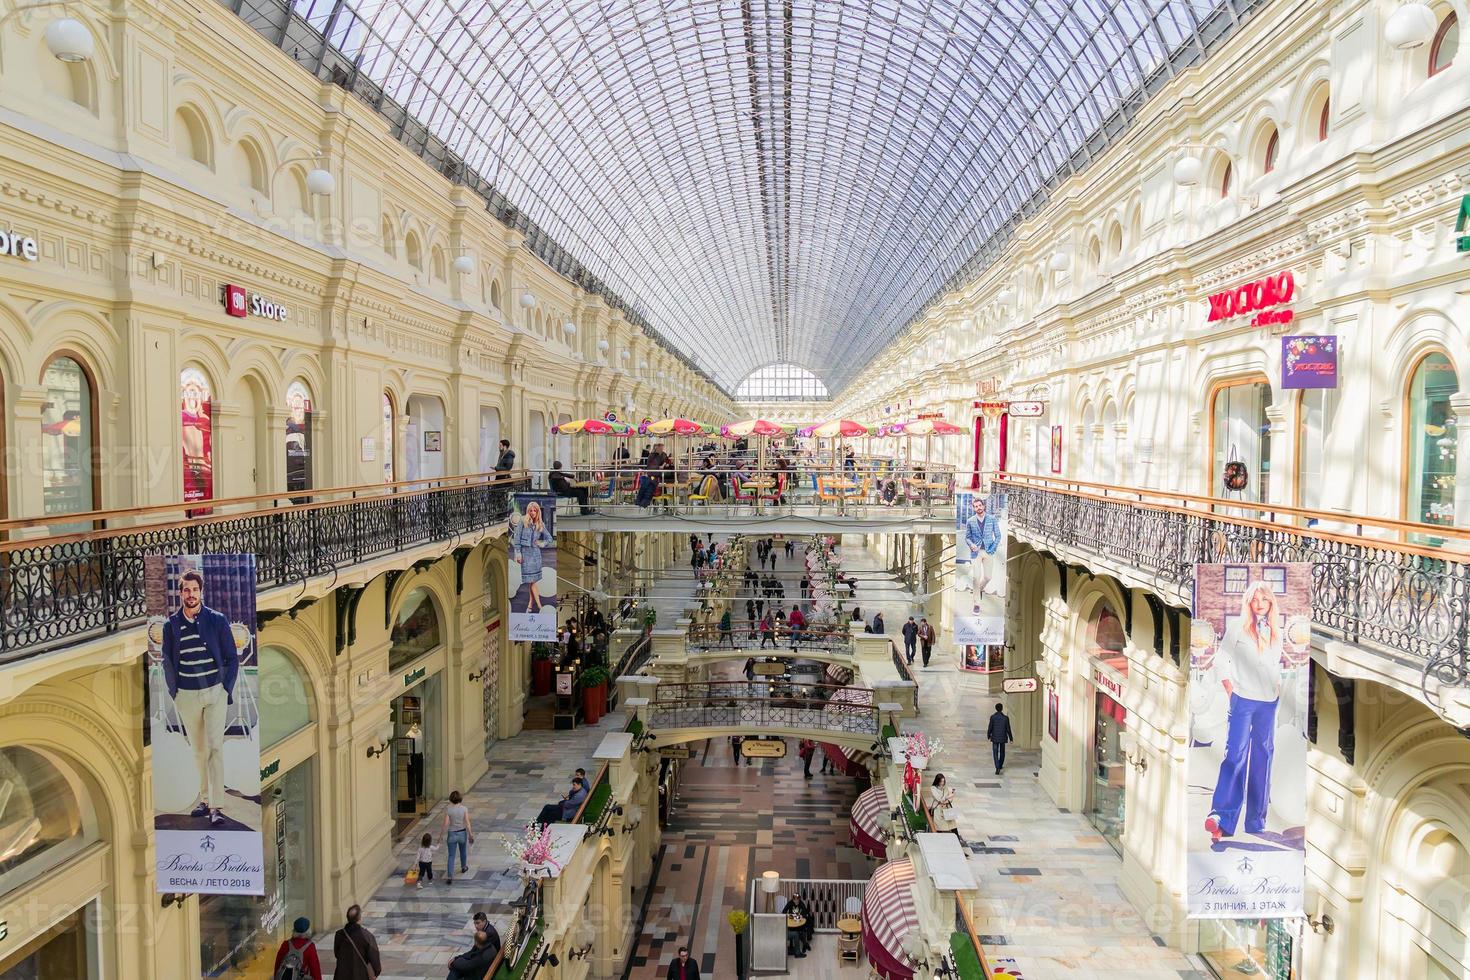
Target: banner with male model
{"type": "Point", "coordinates": [1249, 655]}
{"type": "Point", "coordinates": [204, 722]}
{"type": "Point", "coordinates": [532, 577]}
{"type": "Point", "coordinates": [980, 568]}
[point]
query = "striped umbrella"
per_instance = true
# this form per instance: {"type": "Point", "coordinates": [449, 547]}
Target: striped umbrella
{"type": "Point", "coordinates": [677, 427]}
{"type": "Point", "coordinates": [592, 427]}
{"type": "Point", "coordinates": [869, 817]}
{"type": "Point", "coordinates": [889, 913]}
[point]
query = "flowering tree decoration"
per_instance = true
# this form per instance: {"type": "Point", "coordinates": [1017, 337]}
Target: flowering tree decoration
{"type": "Point", "coordinates": [917, 748]}
{"type": "Point", "coordinates": [532, 848]}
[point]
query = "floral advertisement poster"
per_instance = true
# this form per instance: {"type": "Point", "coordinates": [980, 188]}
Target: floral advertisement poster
{"type": "Point", "coordinates": [1309, 362]}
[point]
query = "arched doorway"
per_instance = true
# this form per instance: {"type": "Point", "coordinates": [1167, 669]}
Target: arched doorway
{"type": "Point", "coordinates": [1108, 671]}
{"type": "Point", "coordinates": [417, 713]}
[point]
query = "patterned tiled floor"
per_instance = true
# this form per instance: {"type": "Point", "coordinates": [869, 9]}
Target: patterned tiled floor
{"type": "Point", "coordinates": [1048, 881]}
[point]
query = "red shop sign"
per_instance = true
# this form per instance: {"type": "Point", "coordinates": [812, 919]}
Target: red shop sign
{"type": "Point", "coordinates": [1256, 296]}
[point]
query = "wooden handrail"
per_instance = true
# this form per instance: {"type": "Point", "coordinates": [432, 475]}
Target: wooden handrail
{"type": "Point", "coordinates": [960, 904]}
{"type": "Point", "coordinates": [18, 523]}
{"type": "Point", "coordinates": [113, 532]}
{"type": "Point", "coordinates": [1402, 547]}
{"type": "Point", "coordinates": [596, 782]}
{"type": "Point", "coordinates": [1109, 491]}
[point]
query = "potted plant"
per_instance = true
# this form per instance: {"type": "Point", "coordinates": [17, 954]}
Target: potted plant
{"type": "Point", "coordinates": [738, 920]}
{"type": "Point", "coordinates": [542, 667]}
{"type": "Point", "coordinates": [650, 617]}
{"type": "Point", "coordinates": [593, 681]}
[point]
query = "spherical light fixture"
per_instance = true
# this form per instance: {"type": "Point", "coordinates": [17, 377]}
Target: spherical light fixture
{"type": "Point", "coordinates": [320, 183]}
{"type": "Point", "coordinates": [1411, 26]}
{"type": "Point", "coordinates": [643, 365]}
{"type": "Point", "coordinates": [663, 375]}
{"type": "Point", "coordinates": [603, 345]}
{"type": "Point", "coordinates": [1006, 296]}
{"type": "Point", "coordinates": [464, 264]}
{"type": "Point", "coordinates": [624, 355]}
{"type": "Point", "coordinates": [528, 299]}
{"type": "Point", "coordinates": [569, 328]}
{"type": "Point", "coordinates": [1188, 171]}
{"type": "Point", "coordinates": [69, 40]}
{"type": "Point", "coordinates": [1060, 261]}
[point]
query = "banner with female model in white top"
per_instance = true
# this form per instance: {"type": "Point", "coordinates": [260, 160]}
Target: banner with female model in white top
{"type": "Point", "coordinates": [532, 578]}
{"type": "Point", "coordinates": [1249, 655]}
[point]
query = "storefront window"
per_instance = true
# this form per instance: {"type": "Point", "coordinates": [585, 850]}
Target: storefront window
{"type": "Point", "coordinates": [1109, 665]}
{"type": "Point", "coordinates": [1250, 947]}
{"type": "Point", "coordinates": [1433, 443]}
{"type": "Point", "coordinates": [47, 818]}
{"type": "Point", "coordinates": [387, 438]}
{"type": "Point", "coordinates": [62, 952]}
{"type": "Point", "coordinates": [1241, 441]}
{"type": "Point", "coordinates": [298, 436]}
{"type": "Point", "coordinates": [239, 934]}
{"type": "Point", "coordinates": [196, 417]}
{"type": "Point", "coordinates": [415, 773]}
{"type": "Point", "coordinates": [416, 631]}
{"type": "Point", "coordinates": [66, 438]}
{"type": "Point", "coordinates": [284, 705]}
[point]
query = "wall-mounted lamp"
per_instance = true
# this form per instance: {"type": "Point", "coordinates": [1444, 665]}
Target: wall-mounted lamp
{"type": "Point", "coordinates": [376, 750]}
{"type": "Point", "coordinates": [569, 328]}
{"type": "Point", "coordinates": [1323, 924]}
{"type": "Point", "coordinates": [603, 345]}
{"type": "Point", "coordinates": [66, 38]}
{"type": "Point", "coordinates": [581, 940]}
{"type": "Point", "coordinates": [464, 262]}
{"type": "Point", "coordinates": [319, 180]}
{"type": "Point", "coordinates": [1060, 260]}
{"type": "Point", "coordinates": [1189, 170]}
{"type": "Point", "coordinates": [478, 674]}
{"type": "Point", "coordinates": [528, 299]}
{"type": "Point", "coordinates": [632, 818]}
{"type": "Point", "coordinates": [173, 898]}
{"type": "Point", "coordinates": [1411, 26]}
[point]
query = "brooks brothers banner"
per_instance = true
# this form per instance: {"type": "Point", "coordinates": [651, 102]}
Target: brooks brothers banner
{"type": "Point", "coordinates": [204, 722]}
{"type": "Point", "coordinates": [980, 574]}
{"type": "Point", "coordinates": [1248, 660]}
{"type": "Point", "coordinates": [532, 579]}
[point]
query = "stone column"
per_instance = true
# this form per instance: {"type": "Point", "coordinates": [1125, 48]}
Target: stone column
{"type": "Point", "coordinates": [29, 498]}
{"type": "Point", "coordinates": [1460, 403]}
{"type": "Point", "coordinates": [1283, 448]}
{"type": "Point", "coordinates": [271, 475]}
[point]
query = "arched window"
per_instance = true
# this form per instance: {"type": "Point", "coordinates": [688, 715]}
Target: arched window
{"type": "Point", "coordinates": [781, 382]}
{"type": "Point", "coordinates": [413, 251]}
{"type": "Point", "coordinates": [1433, 446]}
{"type": "Point", "coordinates": [191, 139]}
{"type": "Point", "coordinates": [1225, 180]}
{"type": "Point", "coordinates": [48, 815]}
{"type": "Point", "coordinates": [285, 704]}
{"type": "Point", "coordinates": [1108, 667]}
{"type": "Point", "coordinates": [495, 293]}
{"type": "Point", "coordinates": [250, 165]}
{"type": "Point", "coordinates": [1322, 119]}
{"type": "Point", "coordinates": [68, 448]}
{"type": "Point", "coordinates": [1446, 45]}
{"type": "Point", "coordinates": [385, 228]}
{"type": "Point", "coordinates": [1240, 435]}
{"type": "Point", "coordinates": [388, 422]}
{"type": "Point", "coordinates": [298, 436]}
{"type": "Point", "coordinates": [415, 630]}
{"type": "Point", "coordinates": [437, 262]}
{"type": "Point", "coordinates": [1115, 241]}
{"type": "Point", "coordinates": [1273, 145]}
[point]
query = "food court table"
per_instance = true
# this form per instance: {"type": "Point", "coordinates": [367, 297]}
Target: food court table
{"type": "Point", "coordinates": [849, 926]}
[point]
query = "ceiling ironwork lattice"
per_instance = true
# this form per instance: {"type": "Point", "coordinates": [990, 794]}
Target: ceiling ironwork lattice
{"type": "Point", "coordinates": [772, 181]}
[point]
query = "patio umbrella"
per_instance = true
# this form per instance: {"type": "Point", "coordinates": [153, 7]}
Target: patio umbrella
{"type": "Point", "coordinates": [839, 429]}
{"type": "Point", "coordinates": [676, 427]}
{"type": "Point", "coordinates": [592, 427]}
{"type": "Point", "coordinates": [763, 429]}
{"type": "Point", "coordinates": [928, 428]}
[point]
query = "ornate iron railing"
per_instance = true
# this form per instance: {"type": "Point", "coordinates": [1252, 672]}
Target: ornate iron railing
{"type": "Point", "coordinates": [758, 704]}
{"type": "Point", "coordinates": [1410, 601]}
{"type": "Point", "coordinates": [746, 635]}
{"type": "Point", "coordinates": [58, 590]}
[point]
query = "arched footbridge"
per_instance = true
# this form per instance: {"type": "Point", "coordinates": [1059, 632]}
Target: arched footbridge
{"type": "Point", "coordinates": [838, 715]}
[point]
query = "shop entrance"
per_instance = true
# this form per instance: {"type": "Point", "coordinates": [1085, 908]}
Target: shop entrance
{"type": "Point", "coordinates": [1107, 798]}
{"type": "Point", "coordinates": [415, 754]}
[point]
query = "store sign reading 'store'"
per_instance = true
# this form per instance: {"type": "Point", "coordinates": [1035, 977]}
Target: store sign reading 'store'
{"type": "Point", "coordinates": [240, 303]}
{"type": "Point", "coordinates": [1257, 297]}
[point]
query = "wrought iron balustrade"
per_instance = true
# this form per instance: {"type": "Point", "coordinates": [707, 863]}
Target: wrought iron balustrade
{"type": "Point", "coordinates": [746, 635]}
{"type": "Point", "coordinates": [64, 588]}
{"type": "Point", "coordinates": [758, 704]}
{"type": "Point", "coordinates": [1410, 601]}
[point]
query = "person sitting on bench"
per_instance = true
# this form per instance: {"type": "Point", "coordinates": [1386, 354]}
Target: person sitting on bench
{"type": "Point", "coordinates": [566, 808]}
{"type": "Point", "coordinates": [561, 485]}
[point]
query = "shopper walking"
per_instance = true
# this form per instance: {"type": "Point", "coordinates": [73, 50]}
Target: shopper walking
{"type": "Point", "coordinates": [457, 834]}
{"type": "Point", "coordinates": [725, 635]}
{"type": "Point", "coordinates": [999, 733]}
{"type": "Point", "coordinates": [681, 967]}
{"type": "Point", "coordinates": [806, 748]}
{"type": "Point", "coordinates": [910, 633]}
{"type": "Point", "coordinates": [297, 959]}
{"type": "Point", "coordinates": [926, 640]}
{"type": "Point", "coordinates": [356, 950]}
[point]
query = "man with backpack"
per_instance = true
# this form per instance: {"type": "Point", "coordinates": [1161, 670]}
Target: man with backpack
{"type": "Point", "coordinates": [297, 959]}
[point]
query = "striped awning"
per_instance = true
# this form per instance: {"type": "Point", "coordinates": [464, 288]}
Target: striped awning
{"type": "Point", "coordinates": [838, 674]}
{"type": "Point", "coordinates": [869, 816]}
{"type": "Point", "coordinates": [889, 912]}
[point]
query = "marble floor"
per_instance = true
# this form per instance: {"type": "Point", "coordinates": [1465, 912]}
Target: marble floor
{"type": "Point", "coordinates": [1049, 894]}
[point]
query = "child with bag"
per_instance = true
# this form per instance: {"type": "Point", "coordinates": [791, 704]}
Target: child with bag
{"type": "Point", "coordinates": [426, 860]}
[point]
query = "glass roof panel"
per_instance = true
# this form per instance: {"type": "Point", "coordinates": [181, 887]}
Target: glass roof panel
{"type": "Point", "coordinates": [771, 181]}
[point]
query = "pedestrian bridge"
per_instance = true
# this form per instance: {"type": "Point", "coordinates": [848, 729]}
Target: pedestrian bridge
{"type": "Point", "coordinates": [839, 715]}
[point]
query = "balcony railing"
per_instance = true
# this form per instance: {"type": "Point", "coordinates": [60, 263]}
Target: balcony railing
{"type": "Point", "coordinates": [66, 587]}
{"type": "Point", "coordinates": [1371, 585]}
{"type": "Point", "coordinates": [746, 635]}
{"type": "Point", "coordinates": [759, 704]}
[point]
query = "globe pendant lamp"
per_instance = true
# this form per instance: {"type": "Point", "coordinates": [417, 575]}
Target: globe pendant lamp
{"type": "Point", "coordinates": [69, 40]}
{"type": "Point", "coordinates": [1411, 26]}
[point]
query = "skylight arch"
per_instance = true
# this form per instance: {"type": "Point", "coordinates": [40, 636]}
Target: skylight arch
{"type": "Point", "coordinates": [781, 383]}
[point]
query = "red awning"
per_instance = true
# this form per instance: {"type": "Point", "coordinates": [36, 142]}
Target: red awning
{"type": "Point", "coordinates": [889, 912]}
{"type": "Point", "coordinates": [869, 816]}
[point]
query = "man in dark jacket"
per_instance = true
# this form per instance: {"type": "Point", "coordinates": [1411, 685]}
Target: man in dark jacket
{"type": "Point", "coordinates": [999, 733]}
{"type": "Point", "coordinates": [561, 485]}
{"type": "Point", "coordinates": [507, 460]}
{"type": "Point", "coordinates": [474, 962]}
{"type": "Point", "coordinates": [200, 666]}
{"type": "Point", "coordinates": [682, 967]}
{"type": "Point", "coordinates": [355, 950]}
{"type": "Point", "coordinates": [910, 638]}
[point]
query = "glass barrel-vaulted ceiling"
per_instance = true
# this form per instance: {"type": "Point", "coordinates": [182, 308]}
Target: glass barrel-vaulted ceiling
{"type": "Point", "coordinates": [773, 181]}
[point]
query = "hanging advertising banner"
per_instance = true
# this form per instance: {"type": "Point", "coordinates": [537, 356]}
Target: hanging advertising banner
{"type": "Point", "coordinates": [196, 417]}
{"type": "Point", "coordinates": [298, 437]}
{"type": "Point", "coordinates": [532, 577]}
{"type": "Point", "coordinates": [980, 573]}
{"type": "Point", "coordinates": [1056, 449]}
{"type": "Point", "coordinates": [1309, 362]}
{"type": "Point", "coordinates": [1249, 650]}
{"type": "Point", "coordinates": [204, 723]}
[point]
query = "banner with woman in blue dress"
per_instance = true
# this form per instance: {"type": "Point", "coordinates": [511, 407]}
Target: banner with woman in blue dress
{"type": "Point", "coordinates": [1250, 648]}
{"type": "Point", "coordinates": [532, 576]}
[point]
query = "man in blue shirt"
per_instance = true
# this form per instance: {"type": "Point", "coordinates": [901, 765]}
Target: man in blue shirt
{"type": "Point", "coordinates": [982, 538]}
{"type": "Point", "coordinates": [200, 667]}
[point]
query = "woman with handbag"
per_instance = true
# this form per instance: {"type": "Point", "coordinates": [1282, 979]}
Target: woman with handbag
{"type": "Point", "coordinates": [356, 950]}
{"type": "Point", "coordinates": [941, 807]}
